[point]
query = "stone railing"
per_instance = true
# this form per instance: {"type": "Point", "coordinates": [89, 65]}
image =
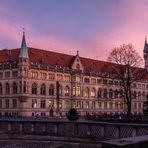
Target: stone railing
{"type": "Point", "coordinates": [72, 129]}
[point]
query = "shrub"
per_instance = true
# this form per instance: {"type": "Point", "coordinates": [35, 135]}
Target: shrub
{"type": "Point", "coordinates": [72, 114]}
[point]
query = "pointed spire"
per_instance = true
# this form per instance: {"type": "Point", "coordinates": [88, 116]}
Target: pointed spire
{"type": "Point", "coordinates": [77, 52]}
{"type": "Point", "coordinates": [24, 49]}
{"type": "Point", "coordinates": [145, 45]}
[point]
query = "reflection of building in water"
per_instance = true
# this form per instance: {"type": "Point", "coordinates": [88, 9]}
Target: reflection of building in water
{"type": "Point", "coordinates": [28, 79]}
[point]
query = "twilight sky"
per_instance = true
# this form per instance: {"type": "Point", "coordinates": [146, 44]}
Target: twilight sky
{"type": "Point", "coordinates": [93, 27]}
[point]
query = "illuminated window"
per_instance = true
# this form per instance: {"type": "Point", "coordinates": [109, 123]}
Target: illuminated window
{"type": "Point", "coordinates": [86, 92]}
{"type": "Point", "coordinates": [93, 92]}
{"type": "Point", "coordinates": [34, 74]}
{"type": "Point", "coordinates": [78, 104]}
{"type": "Point", "coordinates": [78, 78]}
{"type": "Point", "coordinates": [67, 104]}
{"type": "Point", "coordinates": [67, 78]}
{"type": "Point", "coordinates": [78, 91]}
{"type": "Point", "coordinates": [43, 75]}
{"type": "Point", "coordinates": [87, 104]}
{"type": "Point", "coordinates": [51, 76]}
{"type": "Point", "coordinates": [74, 91]}
{"type": "Point", "coordinates": [43, 89]}
{"type": "Point", "coordinates": [93, 81]}
{"type": "Point", "coordinates": [59, 77]}
{"type": "Point", "coordinates": [67, 91]}
{"type": "Point", "coordinates": [50, 103]}
{"type": "Point", "coordinates": [34, 103]}
{"type": "Point", "coordinates": [60, 90]}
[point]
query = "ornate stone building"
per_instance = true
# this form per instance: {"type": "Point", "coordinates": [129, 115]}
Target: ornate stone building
{"type": "Point", "coordinates": [28, 82]}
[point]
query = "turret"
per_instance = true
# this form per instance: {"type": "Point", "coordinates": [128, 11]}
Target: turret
{"type": "Point", "coordinates": [145, 54]}
{"type": "Point", "coordinates": [24, 49]}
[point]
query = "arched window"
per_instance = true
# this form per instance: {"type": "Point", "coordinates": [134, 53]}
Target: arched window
{"type": "Point", "coordinates": [139, 95]}
{"type": "Point", "coordinates": [86, 92]}
{"type": "Point", "coordinates": [99, 94]}
{"type": "Point", "coordinates": [51, 90]}
{"type": "Point", "coordinates": [1, 89]}
{"type": "Point", "coordinates": [14, 88]}
{"type": "Point", "coordinates": [105, 93]}
{"type": "Point", "coordinates": [67, 91]}
{"type": "Point", "coordinates": [34, 88]}
{"type": "Point", "coordinates": [7, 89]}
{"type": "Point", "coordinates": [93, 92]}
{"type": "Point", "coordinates": [116, 93]}
{"type": "Point", "coordinates": [43, 89]}
{"type": "Point", "coordinates": [134, 95]}
{"type": "Point", "coordinates": [110, 93]}
{"type": "Point", "coordinates": [60, 90]}
{"type": "Point", "coordinates": [143, 95]}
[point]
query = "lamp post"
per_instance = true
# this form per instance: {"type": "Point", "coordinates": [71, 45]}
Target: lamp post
{"type": "Point", "coordinates": [58, 99]}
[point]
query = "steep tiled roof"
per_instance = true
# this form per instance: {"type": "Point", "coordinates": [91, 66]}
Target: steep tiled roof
{"type": "Point", "coordinates": [37, 56]}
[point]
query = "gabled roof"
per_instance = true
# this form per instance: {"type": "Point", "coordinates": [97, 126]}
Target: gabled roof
{"type": "Point", "coordinates": [40, 56]}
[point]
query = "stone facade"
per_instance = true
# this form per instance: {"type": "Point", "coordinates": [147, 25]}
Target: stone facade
{"type": "Point", "coordinates": [28, 84]}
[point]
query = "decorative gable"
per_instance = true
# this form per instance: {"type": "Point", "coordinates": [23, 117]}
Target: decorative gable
{"type": "Point", "coordinates": [77, 64]}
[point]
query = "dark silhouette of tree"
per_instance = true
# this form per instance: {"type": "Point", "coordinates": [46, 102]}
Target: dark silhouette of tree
{"type": "Point", "coordinates": [125, 66]}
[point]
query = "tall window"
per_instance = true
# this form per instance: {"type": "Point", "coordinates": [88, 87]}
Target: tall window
{"type": "Point", "coordinates": [60, 90]}
{"type": "Point", "coordinates": [1, 89]}
{"type": "Point", "coordinates": [7, 89]}
{"type": "Point", "coordinates": [51, 90]}
{"type": "Point", "coordinates": [110, 93]}
{"type": "Point", "coordinates": [67, 91]}
{"type": "Point", "coordinates": [99, 94]}
{"type": "Point", "coordinates": [78, 91]}
{"type": "Point", "coordinates": [34, 88]}
{"type": "Point", "coordinates": [43, 89]}
{"type": "Point", "coordinates": [0, 103]}
{"type": "Point", "coordinates": [14, 103]}
{"type": "Point", "coordinates": [14, 88]}
{"type": "Point", "coordinates": [34, 103]}
{"type": "Point", "coordinates": [43, 103]}
{"type": "Point", "coordinates": [86, 92]}
{"type": "Point", "coordinates": [24, 87]}
{"type": "Point", "coordinates": [105, 93]}
{"type": "Point", "coordinates": [7, 103]}
{"type": "Point", "coordinates": [93, 92]}
{"type": "Point", "coordinates": [116, 93]}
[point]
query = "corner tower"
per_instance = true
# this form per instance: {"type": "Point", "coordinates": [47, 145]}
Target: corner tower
{"type": "Point", "coordinates": [145, 54]}
{"type": "Point", "coordinates": [24, 49]}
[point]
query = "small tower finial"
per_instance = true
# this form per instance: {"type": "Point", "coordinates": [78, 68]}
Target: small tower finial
{"type": "Point", "coordinates": [145, 39]}
{"type": "Point", "coordinates": [78, 52]}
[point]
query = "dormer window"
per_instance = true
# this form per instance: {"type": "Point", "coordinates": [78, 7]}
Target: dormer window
{"type": "Point", "coordinates": [78, 67]}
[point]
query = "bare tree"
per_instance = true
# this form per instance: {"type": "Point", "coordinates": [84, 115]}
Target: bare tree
{"type": "Point", "coordinates": [127, 70]}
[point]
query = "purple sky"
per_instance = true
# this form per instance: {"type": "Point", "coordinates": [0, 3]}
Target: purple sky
{"type": "Point", "coordinates": [93, 27]}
